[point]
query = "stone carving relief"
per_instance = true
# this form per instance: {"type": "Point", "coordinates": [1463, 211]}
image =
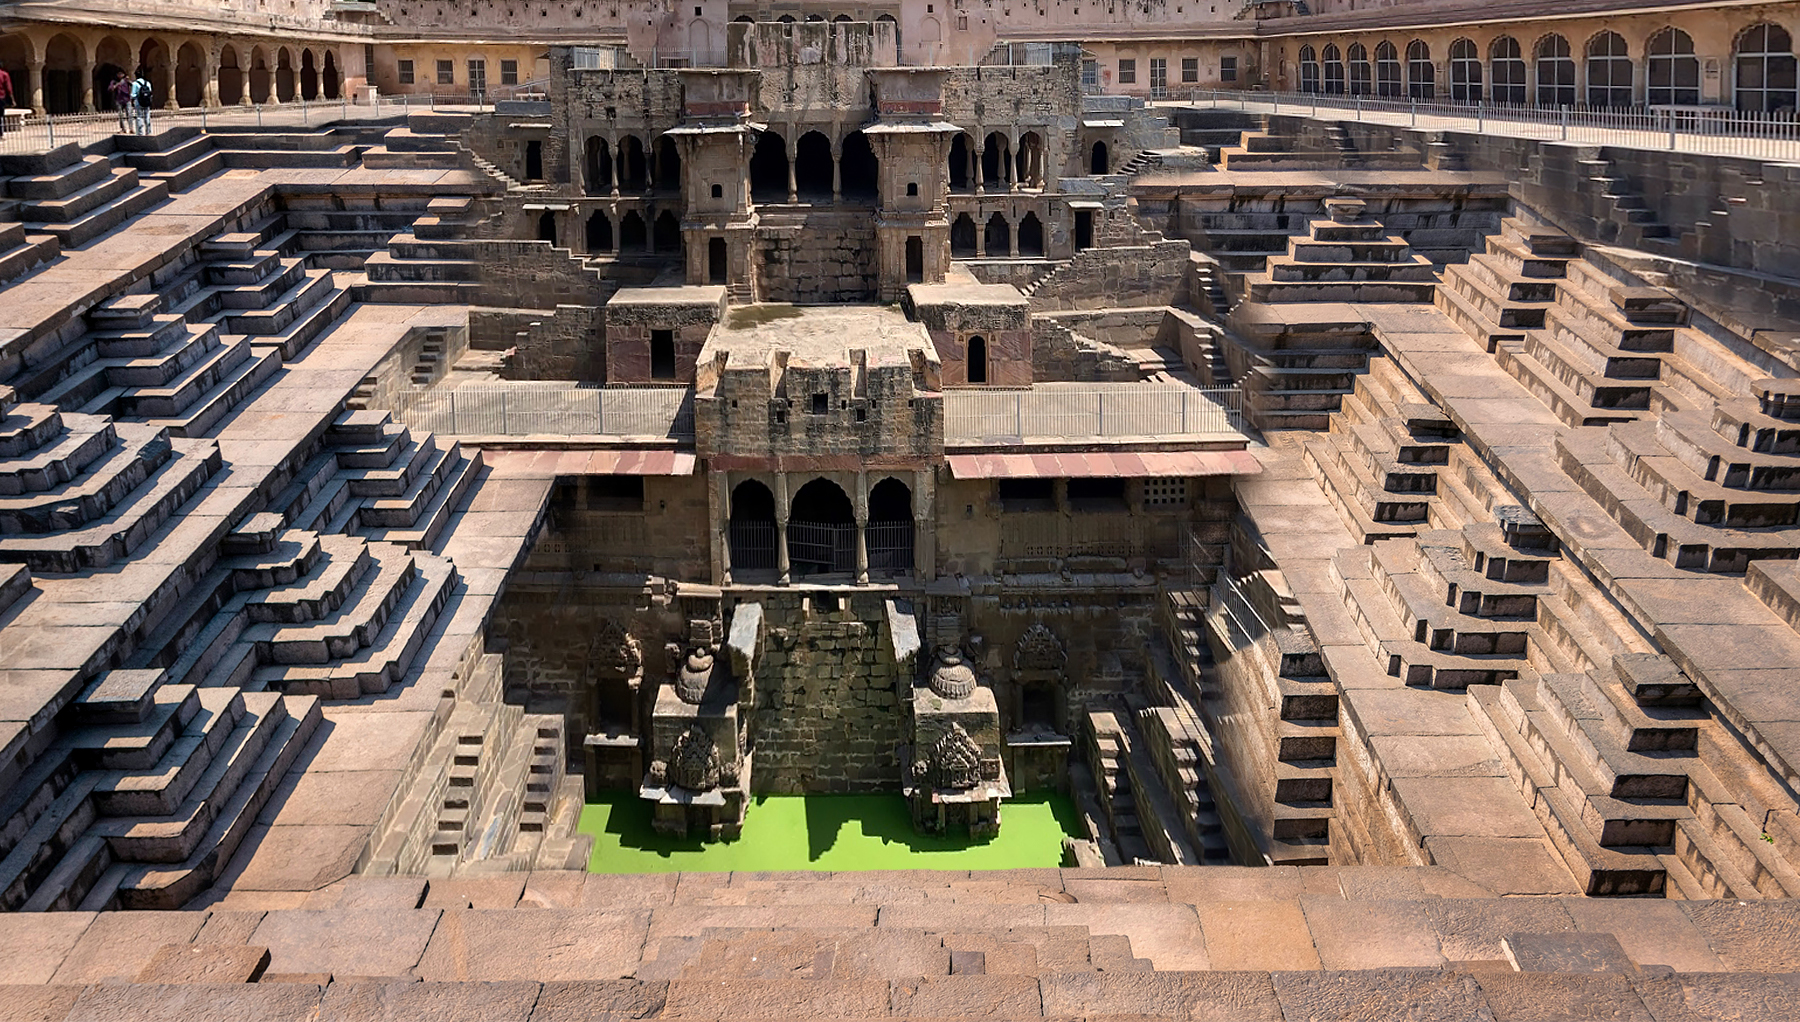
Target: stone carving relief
{"type": "Point", "coordinates": [951, 675]}
{"type": "Point", "coordinates": [1039, 650]}
{"type": "Point", "coordinates": [614, 652]}
{"type": "Point", "coordinates": [694, 762]}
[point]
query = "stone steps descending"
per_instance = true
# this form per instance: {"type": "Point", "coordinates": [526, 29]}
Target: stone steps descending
{"type": "Point", "coordinates": [22, 251]}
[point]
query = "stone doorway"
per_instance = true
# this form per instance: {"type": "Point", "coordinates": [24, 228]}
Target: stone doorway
{"type": "Point", "coordinates": [752, 527]}
{"type": "Point", "coordinates": [769, 169]}
{"type": "Point", "coordinates": [1099, 162]}
{"type": "Point", "coordinates": [716, 268]}
{"type": "Point", "coordinates": [889, 536]}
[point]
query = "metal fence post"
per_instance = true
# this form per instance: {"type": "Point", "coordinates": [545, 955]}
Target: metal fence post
{"type": "Point", "coordinates": [1565, 123]}
{"type": "Point", "coordinates": [1019, 415]}
{"type": "Point", "coordinates": [453, 430]}
{"type": "Point", "coordinates": [504, 425]}
{"type": "Point", "coordinates": [1671, 132]}
{"type": "Point", "coordinates": [1415, 112]}
{"type": "Point", "coordinates": [49, 124]}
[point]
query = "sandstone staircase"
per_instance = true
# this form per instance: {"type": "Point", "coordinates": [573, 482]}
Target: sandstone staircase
{"type": "Point", "coordinates": [77, 198]}
{"type": "Point", "coordinates": [82, 491]}
{"type": "Point", "coordinates": [1347, 258]}
{"type": "Point", "coordinates": [179, 157]}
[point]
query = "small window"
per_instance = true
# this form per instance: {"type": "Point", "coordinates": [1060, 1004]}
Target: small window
{"type": "Point", "coordinates": [1090, 73]}
{"type": "Point", "coordinates": [1165, 494]}
{"type": "Point", "coordinates": [1227, 69]}
{"type": "Point", "coordinates": [509, 72]}
{"type": "Point", "coordinates": [1190, 70]}
{"type": "Point", "coordinates": [446, 72]}
{"type": "Point", "coordinates": [718, 191]}
{"type": "Point", "coordinates": [821, 404]}
{"type": "Point", "coordinates": [1127, 71]}
{"type": "Point", "coordinates": [406, 72]}
{"type": "Point", "coordinates": [615, 493]}
{"type": "Point", "coordinates": [978, 359]}
{"type": "Point", "coordinates": [1027, 494]}
{"type": "Point", "coordinates": [1097, 495]}
{"type": "Point", "coordinates": [912, 187]}
{"type": "Point", "coordinates": [662, 354]}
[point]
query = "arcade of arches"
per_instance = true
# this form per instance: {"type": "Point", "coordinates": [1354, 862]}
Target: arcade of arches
{"type": "Point", "coordinates": [821, 531]}
{"type": "Point", "coordinates": [66, 71]}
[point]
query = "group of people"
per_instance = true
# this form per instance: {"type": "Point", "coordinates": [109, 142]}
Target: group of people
{"type": "Point", "coordinates": [132, 96]}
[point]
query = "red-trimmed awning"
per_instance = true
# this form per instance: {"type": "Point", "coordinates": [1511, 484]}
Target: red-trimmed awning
{"type": "Point", "coordinates": [1128, 464]}
{"type": "Point", "coordinates": [590, 463]}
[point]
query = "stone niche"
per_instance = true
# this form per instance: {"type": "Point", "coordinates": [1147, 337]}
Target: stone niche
{"type": "Point", "coordinates": [654, 334]}
{"type": "Point", "coordinates": [956, 778]}
{"type": "Point", "coordinates": [982, 332]}
{"type": "Point", "coordinates": [613, 741]}
{"type": "Point", "coordinates": [698, 774]}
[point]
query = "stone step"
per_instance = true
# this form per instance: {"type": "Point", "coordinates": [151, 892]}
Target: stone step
{"type": "Point", "coordinates": [61, 461]}
{"type": "Point", "coordinates": [159, 789]}
{"type": "Point", "coordinates": [22, 252]}
{"type": "Point", "coordinates": [352, 626]}
{"type": "Point", "coordinates": [87, 215]}
{"type": "Point", "coordinates": [430, 521]}
{"type": "Point", "coordinates": [1544, 383]}
{"type": "Point", "coordinates": [307, 290]}
{"type": "Point", "coordinates": [232, 387]}
{"type": "Point", "coordinates": [397, 478]}
{"type": "Point", "coordinates": [83, 173]}
{"type": "Point", "coordinates": [40, 846]}
{"type": "Point", "coordinates": [103, 519]}
{"type": "Point", "coordinates": [322, 592]}
{"type": "Point", "coordinates": [135, 745]}
{"type": "Point", "coordinates": [1691, 437]}
{"type": "Point", "coordinates": [1634, 447]}
{"type": "Point", "coordinates": [404, 509]}
{"type": "Point", "coordinates": [384, 662]}
{"type": "Point", "coordinates": [171, 885]}
{"type": "Point", "coordinates": [171, 836]}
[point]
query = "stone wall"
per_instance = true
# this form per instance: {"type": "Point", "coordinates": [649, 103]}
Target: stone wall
{"type": "Point", "coordinates": [1100, 278]}
{"type": "Point", "coordinates": [828, 715]}
{"type": "Point", "coordinates": [565, 343]}
{"type": "Point", "coordinates": [831, 259]}
{"type": "Point", "coordinates": [1059, 353]}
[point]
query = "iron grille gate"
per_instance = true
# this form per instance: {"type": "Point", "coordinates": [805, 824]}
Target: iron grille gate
{"type": "Point", "coordinates": [890, 546]}
{"type": "Point", "coordinates": [815, 548]}
{"type": "Point", "coordinates": [752, 545]}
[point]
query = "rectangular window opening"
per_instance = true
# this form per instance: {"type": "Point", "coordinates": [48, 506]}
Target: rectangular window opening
{"type": "Point", "coordinates": [615, 493]}
{"type": "Point", "coordinates": [662, 354]}
{"type": "Point", "coordinates": [1027, 495]}
{"type": "Point", "coordinates": [1097, 495]}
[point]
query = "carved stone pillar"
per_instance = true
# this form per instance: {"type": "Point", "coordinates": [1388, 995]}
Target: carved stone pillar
{"type": "Point", "coordinates": [862, 528]}
{"type": "Point", "coordinates": [781, 526]}
{"type": "Point", "coordinates": [34, 85]}
{"type": "Point", "coordinates": [86, 70]}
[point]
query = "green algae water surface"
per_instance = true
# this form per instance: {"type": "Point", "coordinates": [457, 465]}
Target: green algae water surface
{"type": "Point", "coordinates": [826, 832]}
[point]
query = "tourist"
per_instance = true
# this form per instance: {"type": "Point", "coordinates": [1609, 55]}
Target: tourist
{"type": "Point", "coordinates": [120, 91]}
{"type": "Point", "coordinates": [6, 98]}
{"type": "Point", "coordinates": [142, 96]}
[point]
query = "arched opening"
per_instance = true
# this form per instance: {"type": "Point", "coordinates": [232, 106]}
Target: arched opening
{"type": "Point", "coordinates": [329, 79]}
{"type": "Point", "coordinates": [1465, 72]}
{"type": "Point", "coordinates": [1332, 60]}
{"type": "Point", "coordinates": [915, 259]}
{"type": "Point", "coordinates": [857, 170]}
{"type": "Point", "coordinates": [745, 18]}
{"type": "Point", "coordinates": [597, 168]}
{"type": "Point", "coordinates": [1031, 235]}
{"type": "Point", "coordinates": [261, 80]}
{"type": "Point", "coordinates": [1084, 229]}
{"type": "Point", "coordinates": [667, 232]}
{"type": "Point", "coordinates": [1361, 75]}
{"type": "Point", "coordinates": [810, 18]}
{"type": "Point", "coordinates": [786, 19]}
{"type": "Point", "coordinates": [812, 167]}
{"type": "Point", "coordinates": [668, 165]}
{"type": "Point", "coordinates": [599, 232]}
{"type": "Point", "coordinates": [890, 533]}
{"type": "Point", "coordinates": [631, 165]}
{"type": "Point", "coordinates": [1765, 78]}
{"type": "Point", "coordinates": [1387, 70]}
{"type": "Point", "coordinates": [1555, 72]}
{"type": "Point", "coordinates": [534, 160]}
{"type": "Point", "coordinates": [153, 57]}
{"type": "Point", "coordinates": [309, 76]}
{"type": "Point", "coordinates": [1099, 163]}
{"type": "Point", "coordinates": [14, 60]}
{"type": "Point", "coordinates": [190, 75]}
{"type": "Point", "coordinates": [959, 164]}
{"type": "Point", "coordinates": [1506, 66]}
{"type": "Point", "coordinates": [112, 58]}
{"type": "Point", "coordinates": [995, 160]}
{"type": "Point", "coordinates": [717, 271]}
{"type": "Point", "coordinates": [633, 235]}
{"type": "Point", "coordinates": [546, 227]}
{"type": "Point", "coordinates": [1674, 71]}
{"type": "Point", "coordinates": [64, 83]}
{"type": "Point", "coordinates": [1608, 71]}
{"type": "Point", "coordinates": [1309, 69]}
{"type": "Point", "coordinates": [1421, 77]}
{"type": "Point", "coordinates": [997, 236]}
{"type": "Point", "coordinates": [962, 237]}
{"type": "Point", "coordinates": [842, 17]}
{"type": "Point", "coordinates": [769, 169]}
{"type": "Point", "coordinates": [752, 527]}
{"type": "Point", "coordinates": [1030, 160]}
{"type": "Point", "coordinates": [976, 360]}
{"type": "Point", "coordinates": [821, 530]}
{"type": "Point", "coordinates": [231, 77]}
{"type": "Point", "coordinates": [284, 76]}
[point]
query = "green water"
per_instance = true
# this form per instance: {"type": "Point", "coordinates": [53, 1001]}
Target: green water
{"type": "Point", "coordinates": [826, 832]}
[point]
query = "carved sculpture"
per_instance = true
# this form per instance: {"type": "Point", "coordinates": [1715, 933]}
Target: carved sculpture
{"type": "Point", "coordinates": [951, 676]}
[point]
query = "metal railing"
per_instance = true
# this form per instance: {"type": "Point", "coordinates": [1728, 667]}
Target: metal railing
{"type": "Point", "coordinates": [1713, 131]}
{"type": "Point", "coordinates": [35, 133]}
{"type": "Point", "coordinates": [492, 410]}
{"type": "Point", "coordinates": [1078, 412]}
